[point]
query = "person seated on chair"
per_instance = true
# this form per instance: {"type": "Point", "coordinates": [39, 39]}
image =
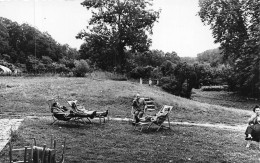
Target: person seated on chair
{"type": "Point", "coordinates": [82, 110]}
{"type": "Point", "coordinates": [253, 130]}
{"type": "Point", "coordinates": [138, 108]}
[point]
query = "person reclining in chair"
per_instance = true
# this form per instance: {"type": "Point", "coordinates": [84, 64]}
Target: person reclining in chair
{"type": "Point", "coordinates": [81, 109]}
{"type": "Point", "coordinates": [138, 108]}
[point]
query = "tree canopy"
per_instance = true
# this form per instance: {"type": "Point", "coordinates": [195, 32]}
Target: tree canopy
{"type": "Point", "coordinates": [118, 25]}
{"type": "Point", "coordinates": [30, 49]}
{"type": "Point", "coordinates": [235, 25]}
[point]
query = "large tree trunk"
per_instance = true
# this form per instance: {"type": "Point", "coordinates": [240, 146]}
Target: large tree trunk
{"type": "Point", "coordinates": [120, 59]}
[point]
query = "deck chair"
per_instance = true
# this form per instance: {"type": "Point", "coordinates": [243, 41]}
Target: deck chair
{"type": "Point", "coordinates": [98, 114]}
{"type": "Point", "coordinates": [57, 116]}
{"type": "Point", "coordinates": [69, 116]}
{"type": "Point", "coordinates": [159, 119]}
{"type": "Point", "coordinates": [36, 154]}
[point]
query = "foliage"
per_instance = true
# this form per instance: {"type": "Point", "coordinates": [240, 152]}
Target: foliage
{"type": "Point", "coordinates": [189, 60]}
{"type": "Point", "coordinates": [169, 84]}
{"type": "Point", "coordinates": [141, 72]}
{"type": "Point", "coordinates": [117, 25]}
{"type": "Point", "coordinates": [235, 25]}
{"type": "Point", "coordinates": [152, 58]}
{"type": "Point", "coordinates": [180, 80]}
{"type": "Point", "coordinates": [167, 68]}
{"type": "Point", "coordinates": [7, 64]}
{"type": "Point", "coordinates": [212, 56]}
{"type": "Point", "coordinates": [23, 44]}
{"type": "Point", "coordinates": [81, 68]}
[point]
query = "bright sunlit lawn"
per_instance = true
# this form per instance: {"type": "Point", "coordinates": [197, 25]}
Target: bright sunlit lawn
{"type": "Point", "coordinates": [116, 141]}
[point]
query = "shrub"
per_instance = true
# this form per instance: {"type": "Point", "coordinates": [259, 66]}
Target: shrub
{"type": "Point", "coordinates": [170, 85]}
{"type": "Point", "coordinates": [141, 72]}
{"type": "Point", "coordinates": [81, 68]}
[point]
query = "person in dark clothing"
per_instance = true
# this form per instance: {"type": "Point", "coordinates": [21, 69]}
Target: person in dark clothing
{"type": "Point", "coordinates": [253, 130]}
{"type": "Point", "coordinates": [57, 108]}
{"type": "Point", "coordinates": [138, 108]}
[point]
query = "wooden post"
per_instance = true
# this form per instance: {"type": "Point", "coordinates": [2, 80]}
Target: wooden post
{"type": "Point", "coordinates": [141, 81]}
{"type": "Point", "coordinates": [37, 155]}
{"type": "Point", "coordinates": [10, 152]}
{"type": "Point", "coordinates": [43, 153]}
{"type": "Point", "coordinates": [25, 154]}
{"type": "Point", "coordinates": [31, 154]}
{"type": "Point", "coordinates": [51, 140]}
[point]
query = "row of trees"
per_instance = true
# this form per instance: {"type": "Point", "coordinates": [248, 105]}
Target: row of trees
{"type": "Point", "coordinates": [235, 25]}
{"type": "Point", "coordinates": [33, 51]}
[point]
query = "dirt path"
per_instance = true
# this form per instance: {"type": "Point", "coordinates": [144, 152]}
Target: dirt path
{"type": "Point", "coordinates": [217, 125]}
{"type": "Point", "coordinates": [6, 125]}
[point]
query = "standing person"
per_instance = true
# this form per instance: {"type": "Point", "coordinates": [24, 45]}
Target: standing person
{"type": "Point", "coordinates": [253, 130]}
{"type": "Point", "coordinates": [138, 108]}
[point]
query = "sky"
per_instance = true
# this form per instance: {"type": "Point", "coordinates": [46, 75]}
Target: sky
{"type": "Point", "coordinates": [178, 29]}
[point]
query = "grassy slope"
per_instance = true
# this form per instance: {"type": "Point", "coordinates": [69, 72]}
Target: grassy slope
{"type": "Point", "coordinates": [227, 99]}
{"type": "Point", "coordinates": [116, 141]}
{"type": "Point", "coordinates": [28, 96]}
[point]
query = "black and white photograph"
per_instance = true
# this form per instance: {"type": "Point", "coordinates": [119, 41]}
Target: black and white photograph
{"type": "Point", "coordinates": [129, 81]}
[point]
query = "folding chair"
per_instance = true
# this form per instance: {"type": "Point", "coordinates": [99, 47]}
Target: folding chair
{"type": "Point", "coordinates": [158, 119]}
{"type": "Point", "coordinates": [35, 154]}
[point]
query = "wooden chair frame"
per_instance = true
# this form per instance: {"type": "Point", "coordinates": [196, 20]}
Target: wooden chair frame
{"type": "Point", "coordinates": [37, 154]}
{"type": "Point", "coordinates": [159, 121]}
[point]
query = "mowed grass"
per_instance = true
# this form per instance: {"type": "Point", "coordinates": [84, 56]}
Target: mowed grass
{"type": "Point", "coordinates": [116, 141]}
{"type": "Point", "coordinates": [224, 98]}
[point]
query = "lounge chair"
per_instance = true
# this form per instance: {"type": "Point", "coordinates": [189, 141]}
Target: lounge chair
{"type": "Point", "coordinates": [68, 115]}
{"type": "Point", "coordinates": [158, 119]}
{"type": "Point", "coordinates": [81, 109]}
{"type": "Point", "coordinates": [36, 154]}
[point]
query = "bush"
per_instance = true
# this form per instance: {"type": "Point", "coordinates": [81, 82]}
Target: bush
{"type": "Point", "coordinates": [141, 72]}
{"type": "Point", "coordinates": [169, 85]}
{"type": "Point", "coordinates": [81, 68]}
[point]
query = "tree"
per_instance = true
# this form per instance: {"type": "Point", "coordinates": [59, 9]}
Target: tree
{"type": "Point", "coordinates": [212, 56]}
{"type": "Point", "coordinates": [227, 21]}
{"type": "Point", "coordinates": [119, 25]}
{"type": "Point", "coordinates": [4, 44]}
{"type": "Point", "coordinates": [235, 25]}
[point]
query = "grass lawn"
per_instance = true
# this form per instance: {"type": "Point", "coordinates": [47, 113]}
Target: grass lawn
{"type": "Point", "coordinates": [116, 141]}
{"type": "Point", "coordinates": [223, 98]}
